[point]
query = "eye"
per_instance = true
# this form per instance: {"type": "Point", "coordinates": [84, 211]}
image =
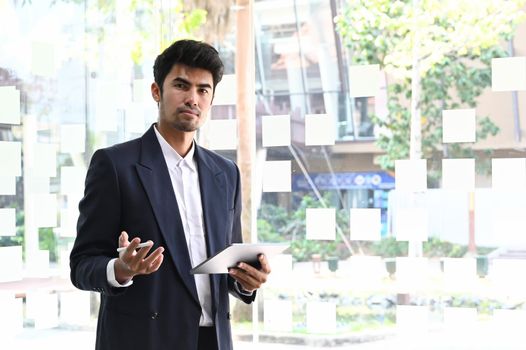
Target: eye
{"type": "Point", "coordinates": [179, 85]}
{"type": "Point", "coordinates": [204, 91]}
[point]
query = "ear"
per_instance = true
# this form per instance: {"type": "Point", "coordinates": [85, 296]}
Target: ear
{"type": "Point", "coordinates": [156, 92]}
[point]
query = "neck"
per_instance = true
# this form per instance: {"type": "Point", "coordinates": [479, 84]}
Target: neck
{"type": "Point", "coordinates": [181, 141]}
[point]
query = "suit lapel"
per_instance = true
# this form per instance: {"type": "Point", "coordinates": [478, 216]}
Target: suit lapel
{"type": "Point", "coordinates": [213, 200]}
{"type": "Point", "coordinates": [155, 178]}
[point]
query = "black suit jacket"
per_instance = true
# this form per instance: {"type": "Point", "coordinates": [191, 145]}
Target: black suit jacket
{"type": "Point", "coordinates": [128, 188]}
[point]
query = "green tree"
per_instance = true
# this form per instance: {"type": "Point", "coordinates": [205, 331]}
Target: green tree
{"type": "Point", "coordinates": [436, 55]}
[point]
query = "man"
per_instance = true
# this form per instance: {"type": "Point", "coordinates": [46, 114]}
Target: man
{"type": "Point", "coordinates": [180, 199]}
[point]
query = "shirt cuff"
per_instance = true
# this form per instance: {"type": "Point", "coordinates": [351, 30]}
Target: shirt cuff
{"type": "Point", "coordinates": [110, 275]}
{"type": "Point", "coordinates": [240, 290]}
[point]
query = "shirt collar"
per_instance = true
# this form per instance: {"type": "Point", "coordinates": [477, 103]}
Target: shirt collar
{"type": "Point", "coordinates": [174, 159]}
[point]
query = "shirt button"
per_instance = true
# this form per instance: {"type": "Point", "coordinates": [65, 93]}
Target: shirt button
{"type": "Point", "coordinates": [155, 315]}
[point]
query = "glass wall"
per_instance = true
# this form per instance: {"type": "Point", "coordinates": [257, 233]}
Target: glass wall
{"type": "Point", "coordinates": [396, 240]}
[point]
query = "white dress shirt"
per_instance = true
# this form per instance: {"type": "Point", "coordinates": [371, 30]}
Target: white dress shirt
{"type": "Point", "coordinates": [185, 183]}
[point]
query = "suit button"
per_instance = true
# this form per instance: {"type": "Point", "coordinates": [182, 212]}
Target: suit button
{"type": "Point", "coordinates": [155, 315]}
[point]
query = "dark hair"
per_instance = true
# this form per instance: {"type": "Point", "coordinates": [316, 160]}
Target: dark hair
{"type": "Point", "coordinates": [191, 53]}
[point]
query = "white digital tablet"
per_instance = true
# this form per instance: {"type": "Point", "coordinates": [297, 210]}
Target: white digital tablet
{"type": "Point", "coordinates": [235, 253]}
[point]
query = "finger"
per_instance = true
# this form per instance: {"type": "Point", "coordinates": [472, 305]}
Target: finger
{"type": "Point", "coordinates": [141, 253]}
{"type": "Point", "coordinates": [154, 255]}
{"type": "Point", "coordinates": [265, 266]}
{"type": "Point", "coordinates": [123, 239]}
{"type": "Point", "coordinates": [248, 282]}
{"type": "Point", "coordinates": [156, 264]}
{"type": "Point", "coordinates": [253, 272]}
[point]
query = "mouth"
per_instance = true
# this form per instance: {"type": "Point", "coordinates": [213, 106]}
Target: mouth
{"type": "Point", "coordinates": [189, 112]}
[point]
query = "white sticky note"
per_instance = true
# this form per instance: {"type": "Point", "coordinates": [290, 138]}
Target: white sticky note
{"type": "Point", "coordinates": [321, 223]}
{"type": "Point", "coordinates": [141, 91]}
{"type": "Point", "coordinates": [10, 158]}
{"type": "Point", "coordinates": [411, 224]}
{"type": "Point", "coordinates": [75, 308]}
{"type": "Point", "coordinates": [412, 319]}
{"type": "Point", "coordinates": [45, 210]}
{"type": "Point", "coordinates": [38, 265]}
{"type": "Point", "coordinates": [11, 317]}
{"type": "Point", "coordinates": [321, 317]}
{"type": "Point", "coordinates": [505, 224]}
{"type": "Point", "coordinates": [275, 130]}
{"type": "Point", "coordinates": [43, 59]}
{"type": "Point", "coordinates": [36, 184]}
{"type": "Point", "coordinates": [506, 321]}
{"type": "Point", "coordinates": [364, 80]}
{"type": "Point", "coordinates": [366, 269]}
{"type": "Point", "coordinates": [134, 118]}
{"type": "Point", "coordinates": [223, 134]}
{"type": "Point", "coordinates": [226, 91]}
{"type": "Point", "coordinates": [277, 315]}
{"type": "Point", "coordinates": [281, 269]}
{"type": "Point", "coordinates": [508, 173]}
{"type": "Point", "coordinates": [43, 309]}
{"type": "Point", "coordinates": [277, 176]}
{"type": "Point", "coordinates": [458, 174]}
{"type": "Point", "coordinates": [45, 161]}
{"type": "Point", "coordinates": [106, 104]}
{"type": "Point", "coordinates": [68, 222]}
{"type": "Point", "coordinates": [8, 222]}
{"type": "Point", "coordinates": [459, 271]}
{"type": "Point", "coordinates": [365, 224]}
{"type": "Point", "coordinates": [320, 130]}
{"type": "Point", "coordinates": [411, 175]}
{"type": "Point", "coordinates": [411, 273]}
{"type": "Point", "coordinates": [508, 74]}
{"type": "Point", "coordinates": [503, 273]}
{"type": "Point", "coordinates": [72, 180]}
{"type": "Point", "coordinates": [9, 105]}
{"type": "Point", "coordinates": [459, 125]}
{"type": "Point", "coordinates": [12, 257]}
{"type": "Point", "coordinates": [460, 318]}
{"type": "Point", "coordinates": [73, 138]}
{"type": "Point", "coordinates": [7, 185]}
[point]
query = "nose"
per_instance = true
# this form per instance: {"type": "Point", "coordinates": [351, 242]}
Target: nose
{"type": "Point", "coordinates": [191, 97]}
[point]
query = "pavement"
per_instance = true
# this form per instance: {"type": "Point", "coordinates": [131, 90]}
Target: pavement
{"type": "Point", "coordinates": [483, 337]}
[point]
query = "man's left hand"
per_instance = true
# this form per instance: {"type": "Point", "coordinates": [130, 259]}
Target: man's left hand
{"type": "Point", "coordinates": [249, 277]}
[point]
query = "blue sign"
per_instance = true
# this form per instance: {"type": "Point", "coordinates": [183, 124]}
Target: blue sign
{"type": "Point", "coordinates": [376, 180]}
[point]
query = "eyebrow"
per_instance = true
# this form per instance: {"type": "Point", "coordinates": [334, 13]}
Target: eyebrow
{"type": "Point", "coordinates": [184, 81]}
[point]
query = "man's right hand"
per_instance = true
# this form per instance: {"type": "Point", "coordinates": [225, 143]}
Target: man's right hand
{"type": "Point", "coordinates": [132, 263]}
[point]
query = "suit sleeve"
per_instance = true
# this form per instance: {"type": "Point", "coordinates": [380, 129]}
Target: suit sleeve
{"type": "Point", "coordinates": [97, 227]}
{"type": "Point", "coordinates": [237, 237]}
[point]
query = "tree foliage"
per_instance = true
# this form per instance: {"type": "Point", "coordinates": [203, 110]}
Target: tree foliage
{"type": "Point", "coordinates": [456, 41]}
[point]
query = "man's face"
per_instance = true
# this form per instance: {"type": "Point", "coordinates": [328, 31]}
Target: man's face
{"type": "Point", "coordinates": [186, 98]}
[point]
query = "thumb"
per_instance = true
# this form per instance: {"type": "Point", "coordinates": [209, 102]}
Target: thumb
{"type": "Point", "coordinates": [123, 239]}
